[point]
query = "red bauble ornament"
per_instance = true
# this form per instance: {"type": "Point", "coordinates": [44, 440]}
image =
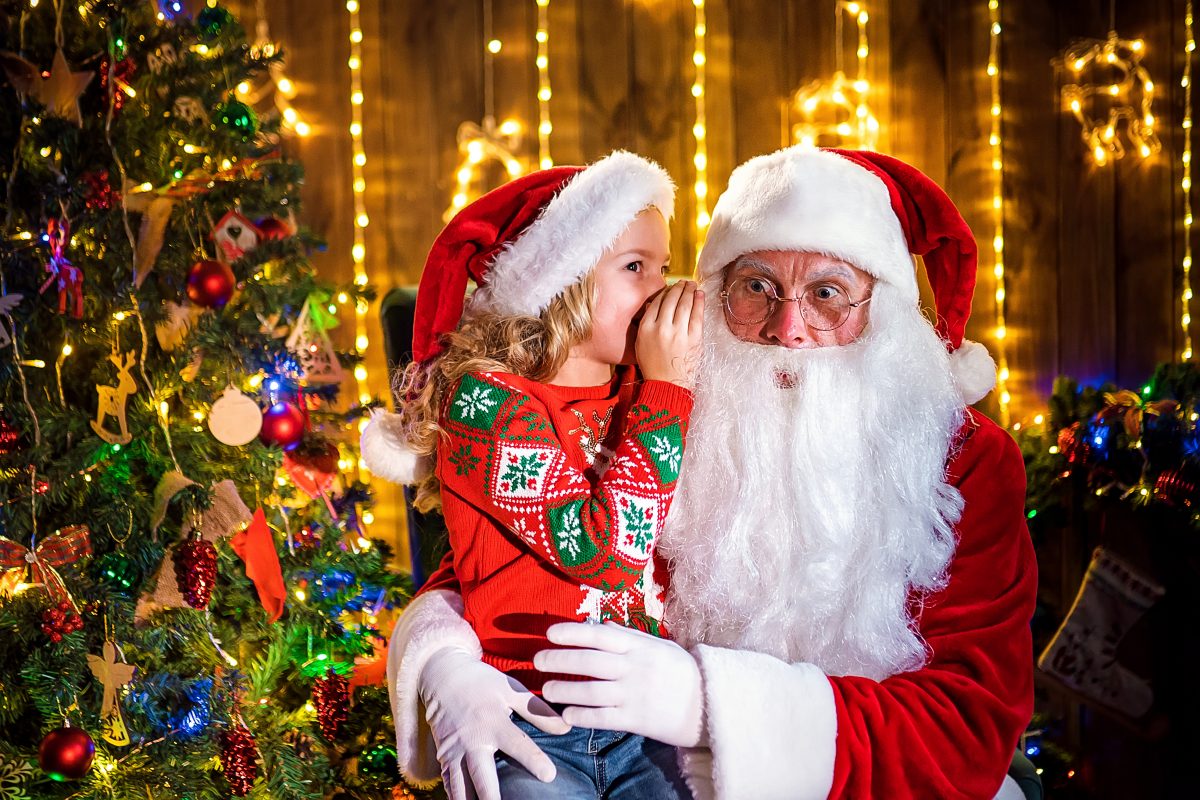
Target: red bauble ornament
{"type": "Point", "coordinates": [196, 571]}
{"type": "Point", "coordinates": [66, 753]}
{"type": "Point", "coordinates": [239, 758]}
{"type": "Point", "coordinates": [283, 424]}
{"type": "Point", "coordinates": [273, 229]}
{"type": "Point", "coordinates": [59, 620]}
{"type": "Point", "coordinates": [1176, 487]}
{"type": "Point", "coordinates": [210, 283]}
{"type": "Point", "coordinates": [331, 696]}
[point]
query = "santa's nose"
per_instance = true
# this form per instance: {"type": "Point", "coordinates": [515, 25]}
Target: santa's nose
{"type": "Point", "coordinates": [787, 328]}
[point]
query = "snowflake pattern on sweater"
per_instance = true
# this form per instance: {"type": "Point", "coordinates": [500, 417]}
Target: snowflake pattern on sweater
{"type": "Point", "coordinates": [504, 457]}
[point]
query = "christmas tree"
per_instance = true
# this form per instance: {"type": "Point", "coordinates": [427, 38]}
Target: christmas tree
{"type": "Point", "coordinates": [190, 604]}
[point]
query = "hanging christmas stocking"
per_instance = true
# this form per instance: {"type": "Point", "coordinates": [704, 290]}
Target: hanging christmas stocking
{"type": "Point", "coordinates": [1082, 654]}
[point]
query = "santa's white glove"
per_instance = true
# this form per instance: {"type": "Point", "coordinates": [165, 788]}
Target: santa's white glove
{"type": "Point", "coordinates": [467, 704]}
{"type": "Point", "coordinates": [645, 685]}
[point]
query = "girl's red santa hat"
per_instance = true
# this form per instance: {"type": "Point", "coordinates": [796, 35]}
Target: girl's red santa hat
{"type": "Point", "coordinates": [870, 210]}
{"type": "Point", "coordinates": [522, 244]}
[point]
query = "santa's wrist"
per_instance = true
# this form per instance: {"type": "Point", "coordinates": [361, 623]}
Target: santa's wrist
{"type": "Point", "coordinates": [440, 663]}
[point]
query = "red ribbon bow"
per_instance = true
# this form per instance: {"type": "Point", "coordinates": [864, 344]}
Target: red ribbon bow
{"type": "Point", "coordinates": [60, 549]}
{"type": "Point", "coordinates": [68, 276]}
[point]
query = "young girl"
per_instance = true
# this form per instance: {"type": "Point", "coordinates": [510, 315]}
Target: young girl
{"type": "Point", "coordinates": [554, 464]}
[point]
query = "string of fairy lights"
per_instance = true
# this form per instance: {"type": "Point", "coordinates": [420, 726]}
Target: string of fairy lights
{"type": "Point", "coordinates": [358, 251]}
{"type": "Point", "coordinates": [545, 127]}
{"type": "Point", "coordinates": [1185, 301]}
{"type": "Point", "coordinates": [862, 113]}
{"type": "Point", "coordinates": [997, 152]}
{"type": "Point", "coordinates": [700, 128]}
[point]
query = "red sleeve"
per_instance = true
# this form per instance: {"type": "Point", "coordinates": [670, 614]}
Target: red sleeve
{"type": "Point", "coordinates": [949, 730]}
{"type": "Point", "coordinates": [500, 453]}
{"type": "Point", "coordinates": [443, 577]}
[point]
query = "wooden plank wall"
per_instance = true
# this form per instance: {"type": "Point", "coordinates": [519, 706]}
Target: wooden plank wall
{"type": "Point", "coordinates": [1092, 253]}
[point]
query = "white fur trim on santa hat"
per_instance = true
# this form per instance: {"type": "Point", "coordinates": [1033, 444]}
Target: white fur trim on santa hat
{"type": "Point", "coordinates": [582, 221]}
{"type": "Point", "coordinates": [808, 200]}
{"type": "Point", "coordinates": [431, 622]}
{"type": "Point", "coordinates": [386, 452]}
{"type": "Point", "coordinates": [772, 726]}
{"type": "Point", "coordinates": [974, 371]}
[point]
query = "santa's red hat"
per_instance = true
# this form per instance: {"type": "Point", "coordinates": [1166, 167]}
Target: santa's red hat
{"type": "Point", "coordinates": [522, 244]}
{"type": "Point", "coordinates": [870, 210]}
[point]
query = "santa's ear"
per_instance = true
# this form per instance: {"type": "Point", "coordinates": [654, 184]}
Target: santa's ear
{"type": "Point", "coordinates": [387, 453]}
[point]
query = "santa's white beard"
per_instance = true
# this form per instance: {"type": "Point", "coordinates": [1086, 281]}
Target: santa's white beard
{"type": "Point", "coordinates": [806, 517]}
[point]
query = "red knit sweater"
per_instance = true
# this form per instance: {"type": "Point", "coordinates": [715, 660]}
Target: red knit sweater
{"type": "Point", "coordinates": [554, 497]}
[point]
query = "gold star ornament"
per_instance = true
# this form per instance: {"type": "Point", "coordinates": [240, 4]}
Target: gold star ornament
{"type": "Point", "coordinates": [59, 91]}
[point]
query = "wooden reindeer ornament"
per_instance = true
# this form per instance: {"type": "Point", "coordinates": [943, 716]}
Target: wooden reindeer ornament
{"type": "Point", "coordinates": [112, 400]}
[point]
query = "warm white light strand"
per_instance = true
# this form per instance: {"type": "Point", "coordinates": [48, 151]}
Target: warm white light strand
{"type": "Point", "coordinates": [1185, 298]}
{"type": "Point", "coordinates": [545, 127]}
{"type": "Point", "coordinates": [997, 152]}
{"type": "Point", "coordinates": [358, 252]}
{"type": "Point", "coordinates": [700, 128]}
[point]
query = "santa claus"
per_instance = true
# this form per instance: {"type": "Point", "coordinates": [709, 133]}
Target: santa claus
{"type": "Point", "coordinates": [851, 576]}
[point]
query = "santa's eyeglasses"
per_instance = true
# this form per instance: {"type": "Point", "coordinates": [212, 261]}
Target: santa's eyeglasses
{"type": "Point", "coordinates": [824, 306]}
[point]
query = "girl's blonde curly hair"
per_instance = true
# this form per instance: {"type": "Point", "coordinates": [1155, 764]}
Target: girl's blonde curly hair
{"type": "Point", "coordinates": [531, 347]}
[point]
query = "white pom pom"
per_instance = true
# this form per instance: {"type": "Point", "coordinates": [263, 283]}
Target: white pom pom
{"type": "Point", "coordinates": [386, 452]}
{"type": "Point", "coordinates": [974, 371]}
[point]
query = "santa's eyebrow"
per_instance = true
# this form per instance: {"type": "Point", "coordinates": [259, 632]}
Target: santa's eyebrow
{"type": "Point", "coordinates": [754, 263]}
{"type": "Point", "coordinates": [835, 271]}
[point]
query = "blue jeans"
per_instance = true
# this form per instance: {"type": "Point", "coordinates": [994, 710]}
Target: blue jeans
{"type": "Point", "coordinates": [595, 764]}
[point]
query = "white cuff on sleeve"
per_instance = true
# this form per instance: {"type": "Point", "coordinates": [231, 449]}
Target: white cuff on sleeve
{"type": "Point", "coordinates": [772, 726]}
{"type": "Point", "coordinates": [429, 623]}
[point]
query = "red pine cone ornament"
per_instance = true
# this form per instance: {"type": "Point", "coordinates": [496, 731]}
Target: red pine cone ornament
{"type": "Point", "coordinates": [98, 192]}
{"type": "Point", "coordinates": [331, 696]}
{"type": "Point", "coordinates": [239, 759]}
{"type": "Point", "coordinates": [196, 571]}
{"type": "Point", "coordinates": [59, 620]}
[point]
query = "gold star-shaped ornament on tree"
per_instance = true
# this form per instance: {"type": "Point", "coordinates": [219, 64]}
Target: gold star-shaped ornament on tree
{"type": "Point", "coordinates": [59, 91]}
